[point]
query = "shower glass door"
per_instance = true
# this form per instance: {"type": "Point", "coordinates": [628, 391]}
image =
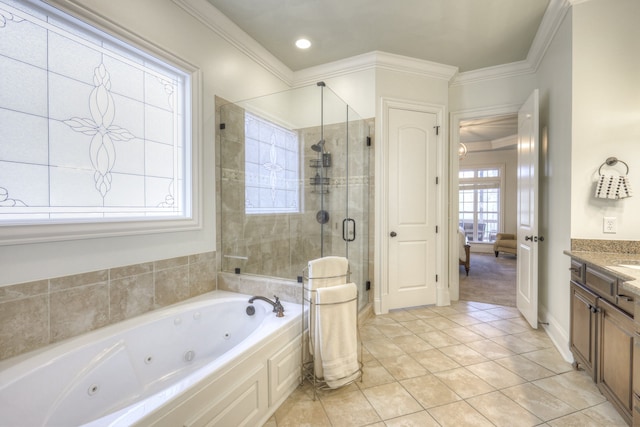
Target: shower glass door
{"type": "Point", "coordinates": [294, 184]}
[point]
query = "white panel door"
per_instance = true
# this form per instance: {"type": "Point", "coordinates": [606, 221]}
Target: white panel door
{"type": "Point", "coordinates": [527, 212]}
{"type": "Point", "coordinates": [412, 208]}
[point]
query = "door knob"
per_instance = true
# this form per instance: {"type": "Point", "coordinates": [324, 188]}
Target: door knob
{"type": "Point", "coordinates": [528, 238]}
{"type": "Point", "coordinates": [393, 234]}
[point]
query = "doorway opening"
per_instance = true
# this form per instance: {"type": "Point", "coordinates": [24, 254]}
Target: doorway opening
{"type": "Point", "coordinates": [484, 185]}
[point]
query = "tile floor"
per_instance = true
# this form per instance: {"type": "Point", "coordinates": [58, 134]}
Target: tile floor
{"type": "Point", "coordinates": [468, 364]}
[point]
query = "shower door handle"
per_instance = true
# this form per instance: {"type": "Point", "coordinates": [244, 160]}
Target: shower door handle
{"type": "Point", "coordinates": [348, 229]}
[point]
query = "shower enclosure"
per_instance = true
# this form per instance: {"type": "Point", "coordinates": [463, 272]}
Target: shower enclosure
{"type": "Point", "coordinates": [294, 184]}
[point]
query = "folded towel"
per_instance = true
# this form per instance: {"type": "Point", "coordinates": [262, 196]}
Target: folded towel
{"type": "Point", "coordinates": [337, 333]}
{"type": "Point", "coordinates": [328, 271]}
{"type": "Point", "coordinates": [613, 187]}
{"type": "Point", "coordinates": [323, 272]}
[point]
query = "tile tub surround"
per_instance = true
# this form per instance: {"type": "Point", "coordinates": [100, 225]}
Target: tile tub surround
{"type": "Point", "coordinates": [35, 314]}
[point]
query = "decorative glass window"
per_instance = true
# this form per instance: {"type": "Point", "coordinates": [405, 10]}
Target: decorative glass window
{"type": "Point", "coordinates": [272, 167]}
{"type": "Point", "coordinates": [480, 203]}
{"type": "Point", "coordinates": [93, 129]}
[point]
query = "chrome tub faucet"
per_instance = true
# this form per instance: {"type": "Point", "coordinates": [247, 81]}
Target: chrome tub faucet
{"type": "Point", "coordinates": [277, 306]}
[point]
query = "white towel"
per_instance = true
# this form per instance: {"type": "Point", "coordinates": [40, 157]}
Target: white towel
{"type": "Point", "coordinates": [328, 271]}
{"type": "Point", "coordinates": [323, 272]}
{"type": "Point", "coordinates": [613, 187]}
{"type": "Point", "coordinates": [338, 335]}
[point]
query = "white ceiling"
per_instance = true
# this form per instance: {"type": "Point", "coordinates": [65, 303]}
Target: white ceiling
{"type": "Point", "coordinates": [468, 34]}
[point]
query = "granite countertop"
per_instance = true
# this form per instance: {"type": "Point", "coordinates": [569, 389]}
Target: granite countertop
{"type": "Point", "coordinates": [613, 263]}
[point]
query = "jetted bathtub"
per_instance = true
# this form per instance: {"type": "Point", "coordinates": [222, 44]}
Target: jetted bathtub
{"type": "Point", "coordinates": [204, 361]}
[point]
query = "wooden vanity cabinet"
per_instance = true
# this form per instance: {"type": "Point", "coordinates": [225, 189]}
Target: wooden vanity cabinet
{"type": "Point", "coordinates": [583, 328]}
{"type": "Point", "coordinates": [615, 358]}
{"type": "Point", "coordinates": [603, 334]}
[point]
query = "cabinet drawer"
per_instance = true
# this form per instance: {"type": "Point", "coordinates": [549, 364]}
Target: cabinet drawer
{"type": "Point", "coordinates": [603, 284]}
{"type": "Point", "coordinates": [577, 271]}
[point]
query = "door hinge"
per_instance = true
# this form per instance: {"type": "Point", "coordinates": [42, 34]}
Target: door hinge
{"type": "Point", "coordinates": [222, 126]}
{"type": "Point", "coordinates": [437, 128]}
{"type": "Point", "coordinates": [436, 229]}
{"type": "Point", "coordinates": [437, 180]}
{"type": "Point", "coordinates": [436, 277]}
{"type": "Point", "coordinates": [368, 141]}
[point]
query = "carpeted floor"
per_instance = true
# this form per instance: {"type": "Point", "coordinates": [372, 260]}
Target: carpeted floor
{"type": "Point", "coordinates": [491, 280]}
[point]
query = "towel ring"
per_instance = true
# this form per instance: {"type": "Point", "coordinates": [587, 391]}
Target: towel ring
{"type": "Point", "coordinates": [612, 161]}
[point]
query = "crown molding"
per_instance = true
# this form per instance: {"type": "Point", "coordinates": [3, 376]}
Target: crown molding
{"type": "Point", "coordinates": [553, 16]}
{"type": "Point", "coordinates": [374, 60]}
{"type": "Point", "coordinates": [216, 21]}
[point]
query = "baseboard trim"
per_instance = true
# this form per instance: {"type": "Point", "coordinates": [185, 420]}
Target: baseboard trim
{"type": "Point", "coordinates": [558, 335]}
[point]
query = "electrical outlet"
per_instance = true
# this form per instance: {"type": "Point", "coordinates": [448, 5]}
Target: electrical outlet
{"type": "Point", "coordinates": [609, 225]}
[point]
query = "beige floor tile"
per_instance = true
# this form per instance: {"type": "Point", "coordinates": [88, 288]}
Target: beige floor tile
{"type": "Point", "coordinates": [525, 368]}
{"type": "Point", "coordinates": [419, 419]}
{"type": "Point", "coordinates": [484, 305]}
{"type": "Point", "coordinates": [463, 354]}
{"type": "Point", "coordinates": [605, 414]}
{"type": "Point", "coordinates": [459, 414]}
{"type": "Point", "coordinates": [490, 349]}
{"type": "Point", "coordinates": [391, 401]}
{"type": "Point", "coordinates": [576, 419]}
{"type": "Point", "coordinates": [505, 312]}
{"type": "Point", "coordinates": [435, 360]}
{"type": "Point", "coordinates": [444, 310]}
{"type": "Point", "coordinates": [393, 330]}
{"type": "Point", "coordinates": [496, 375]}
{"type": "Point", "coordinates": [464, 383]}
{"type": "Point", "coordinates": [502, 411]}
{"type": "Point", "coordinates": [542, 404]}
{"type": "Point", "coordinates": [349, 409]}
{"type": "Point", "coordinates": [463, 319]}
{"type": "Point", "coordinates": [509, 325]}
{"type": "Point", "coordinates": [303, 413]}
{"type": "Point", "coordinates": [403, 367]}
{"type": "Point", "coordinates": [538, 338]}
{"type": "Point", "coordinates": [429, 391]}
{"type": "Point", "coordinates": [382, 348]}
{"type": "Point", "coordinates": [463, 334]}
{"type": "Point", "coordinates": [417, 326]}
{"type": "Point", "coordinates": [422, 312]}
{"type": "Point", "coordinates": [374, 374]}
{"type": "Point", "coordinates": [575, 388]}
{"type": "Point", "coordinates": [486, 330]}
{"type": "Point", "coordinates": [549, 358]}
{"type": "Point", "coordinates": [463, 306]}
{"type": "Point", "coordinates": [515, 344]}
{"type": "Point", "coordinates": [439, 339]}
{"type": "Point", "coordinates": [380, 320]}
{"type": "Point", "coordinates": [411, 343]}
{"type": "Point", "coordinates": [441, 323]}
{"type": "Point", "coordinates": [401, 315]}
{"type": "Point", "coordinates": [484, 316]}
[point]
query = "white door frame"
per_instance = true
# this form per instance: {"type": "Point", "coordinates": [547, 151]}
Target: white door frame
{"type": "Point", "coordinates": [381, 224]}
{"type": "Point", "coordinates": [454, 168]}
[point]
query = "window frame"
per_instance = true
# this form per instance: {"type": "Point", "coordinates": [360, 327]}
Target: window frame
{"type": "Point", "coordinates": [77, 229]}
{"type": "Point", "coordinates": [476, 180]}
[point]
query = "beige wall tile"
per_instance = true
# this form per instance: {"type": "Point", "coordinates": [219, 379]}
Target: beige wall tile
{"type": "Point", "coordinates": [24, 325]}
{"type": "Point", "coordinates": [170, 263]}
{"type": "Point", "coordinates": [22, 290]}
{"type": "Point", "coordinates": [202, 277]}
{"type": "Point", "coordinates": [68, 282]}
{"type": "Point", "coordinates": [130, 270]}
{"type": "Point", "coordinates": [78, 310]}
{"type": "Point", "coordinates": [130, 296]}
{"type": "Point", "coordinates": [171, 285]}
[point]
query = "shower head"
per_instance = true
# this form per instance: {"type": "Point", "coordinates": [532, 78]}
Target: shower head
{"type": "Point", "coordinates": [318, 147]}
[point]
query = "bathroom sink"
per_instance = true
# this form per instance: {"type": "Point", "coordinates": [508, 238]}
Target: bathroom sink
{"type": "Point", "coordinates": [630, 264]}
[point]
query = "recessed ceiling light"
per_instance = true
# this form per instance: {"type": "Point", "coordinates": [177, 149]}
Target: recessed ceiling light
{"type": "Point", "coordinates": [303, 44]}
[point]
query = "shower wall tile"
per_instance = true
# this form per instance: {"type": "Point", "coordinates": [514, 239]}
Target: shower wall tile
{"type": "Point", "coordinates": [24, 325]}
{"type": "Point", "coordinates": [35, 314]}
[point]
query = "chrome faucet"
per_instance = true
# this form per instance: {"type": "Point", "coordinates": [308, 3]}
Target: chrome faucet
{"type": "Point", "coordinates": [277, 306]}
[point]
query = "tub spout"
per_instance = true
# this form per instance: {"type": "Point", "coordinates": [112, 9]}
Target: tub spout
{"type": "Point", "coordinates": [277, 306]}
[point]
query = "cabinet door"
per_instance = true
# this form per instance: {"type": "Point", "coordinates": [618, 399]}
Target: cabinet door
{"type": "Point", "coordinates": [615, 356]}
{"type": "Point", "coordinates": [583, 328]}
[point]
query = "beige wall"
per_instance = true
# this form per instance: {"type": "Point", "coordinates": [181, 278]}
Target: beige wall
{"type": "Point", "coordinates": [606, 113]}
